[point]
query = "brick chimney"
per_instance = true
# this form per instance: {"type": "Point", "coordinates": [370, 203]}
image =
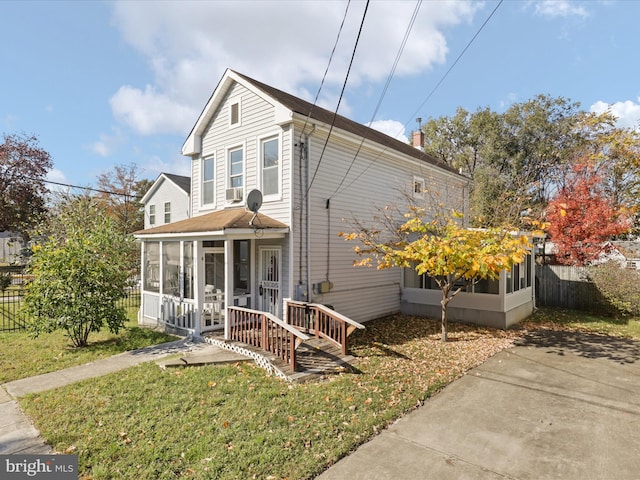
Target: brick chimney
{"type": "Point", "coordinates": [418, 139]}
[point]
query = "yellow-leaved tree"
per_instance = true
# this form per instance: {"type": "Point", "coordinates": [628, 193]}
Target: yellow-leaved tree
{"type": "Point", "coordinates": [442, 248]}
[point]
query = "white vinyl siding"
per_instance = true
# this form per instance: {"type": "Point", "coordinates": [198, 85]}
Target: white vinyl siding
{"type": "Point", "coordinates": [218, 140]}
{"type": "Point", "coordinates": [373, 181]}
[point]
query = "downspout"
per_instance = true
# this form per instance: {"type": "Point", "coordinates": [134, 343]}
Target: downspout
{"type": "Point", "coordinates": [307, 208]}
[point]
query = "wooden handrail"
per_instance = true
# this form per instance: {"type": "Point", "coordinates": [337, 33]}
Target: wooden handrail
{"type": "Point", "coordinates": [322, 320]}
{"type": "Point", "coordinates": [265, 331]}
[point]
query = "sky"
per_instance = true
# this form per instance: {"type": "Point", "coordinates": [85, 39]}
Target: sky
{"type": "Point", "coordinates": [104, 83]}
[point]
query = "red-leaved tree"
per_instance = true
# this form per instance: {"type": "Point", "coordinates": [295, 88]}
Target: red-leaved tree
{"type": "Point", "coordinates": [582, 218]}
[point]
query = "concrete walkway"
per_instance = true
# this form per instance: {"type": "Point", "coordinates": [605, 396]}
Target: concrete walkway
{"type": "Point", "coordinates": [17, 434]}
{"type": "Point", "coordinates": [558, 406]}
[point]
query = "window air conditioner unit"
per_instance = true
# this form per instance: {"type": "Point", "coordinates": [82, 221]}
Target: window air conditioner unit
{"type": "Point", "coordinates": [234, 194]}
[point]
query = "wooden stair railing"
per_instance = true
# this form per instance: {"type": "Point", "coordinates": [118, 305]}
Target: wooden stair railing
{"type": "Point", "coordinates": [266, 332]}
{"type": "Point", "coordinates": [322, 321]}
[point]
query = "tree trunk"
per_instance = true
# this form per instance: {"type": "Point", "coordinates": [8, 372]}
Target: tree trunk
{"type": "Point", "coordinates": [443, 320]}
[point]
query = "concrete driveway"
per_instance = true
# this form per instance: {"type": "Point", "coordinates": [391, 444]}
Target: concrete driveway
{"type": "Point", "coordinates": [559, 405]}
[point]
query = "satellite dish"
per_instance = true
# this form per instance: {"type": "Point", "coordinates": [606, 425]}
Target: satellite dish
{"type": "Point", "coordinates": [254, 201]}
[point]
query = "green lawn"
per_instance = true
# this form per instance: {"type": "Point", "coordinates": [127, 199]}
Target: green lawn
{"type": "Point", "coordinates": [229, 422]}
{"type": "Point", "coordinates": [22, 356]}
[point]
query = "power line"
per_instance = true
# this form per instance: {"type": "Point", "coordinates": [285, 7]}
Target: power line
{"type": "Point", "coordinates": [344, 86]}
{"type": "Point", "coordinates": [108, 192]}
{"type": "Point", "coordinates": [432, 91]}
{"type": "Point", "coordinates": [315, 100]}
{"type": "Point", "coordinates": [384, 90]}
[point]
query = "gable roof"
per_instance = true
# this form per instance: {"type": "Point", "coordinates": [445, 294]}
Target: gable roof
{"type": "Point", "coordinates": [303, 108]}
{"type": "Point", "coordinates": [630, 249]}
{"type": "Point", "coordinates": [221, 221]}
{"type": "Point", "coordinates": [182, 182]}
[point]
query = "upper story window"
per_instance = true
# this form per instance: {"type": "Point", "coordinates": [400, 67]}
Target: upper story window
{"type": "Point", "coordinates": [236, 168]}
{"type": "Point", "coordinates": [418, 186]}
{"type": "Point", "coordinates": [167, 212]}
{"type": "Point", "coordinates": [270, 166]}
{"type": "Point", "coordinates": [234, 114]}
{"type": "Point", "coordinates": [152, 214]}
{"type": "Point", "coordinates": [208, 180]}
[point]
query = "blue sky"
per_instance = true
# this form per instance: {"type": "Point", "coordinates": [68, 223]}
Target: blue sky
{"type": "Point", "coordinates": [114, 83]}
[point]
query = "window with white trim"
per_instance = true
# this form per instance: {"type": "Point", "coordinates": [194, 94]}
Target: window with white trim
{"type": "Point", "coordinates": [152, 214]}
{"type": "Point", "coordinates": [236, 168]}
{"type": "Point", "coordinates": [167, 212]}
{"type": "Point", "coordinates": [270, 166]}
{"type": "Point", "coordinates": [418, 187]}
{"type": "Point", "coordinates": [208, 180]}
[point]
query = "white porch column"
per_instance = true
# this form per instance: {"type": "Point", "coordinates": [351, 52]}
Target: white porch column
{"type": "Point", "coordinates": [198, 283]}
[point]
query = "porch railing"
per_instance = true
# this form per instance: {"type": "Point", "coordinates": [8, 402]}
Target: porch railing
{"type": "Point", "coordinates": [322, 321]}
{"type": "Point", "coordinates": [178, 314]}
{"type": "Point", "coordinates": [265, 331]}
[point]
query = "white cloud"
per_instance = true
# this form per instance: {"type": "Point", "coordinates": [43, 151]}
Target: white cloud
{"type": "Point", "coordinates": [393, 128]}
{"type": "Point", "coordinates": [286, 44]}
{"type": "Point", "coordinates": [149, 112]}
{"type": "Point", "coordinates": [627, 112]}
{"type": "Point", "coordinates": [560, 8]}
{"type": "Point", "coordinates": [107, 144]}
{"type": "Point", "coordinates": [154, 166]}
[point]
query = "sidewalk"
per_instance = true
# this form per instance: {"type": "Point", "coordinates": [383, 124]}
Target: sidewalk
{"type": "Point", "coordinates": [17, 434]}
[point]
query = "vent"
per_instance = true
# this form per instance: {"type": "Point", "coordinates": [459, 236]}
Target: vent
{"type": "Point", "coordinates": [234, 194]}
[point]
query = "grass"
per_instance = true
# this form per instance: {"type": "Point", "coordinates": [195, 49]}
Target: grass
{"type": "Point", "coordinates": [234, 421]}
{"type": "Point", "coordinates": [23, 356]}
{"type": "Point", "coordinates": [626, 327]}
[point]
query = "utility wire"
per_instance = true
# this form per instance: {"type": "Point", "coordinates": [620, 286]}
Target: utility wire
{"type": "Point", "coordinates": [384, 90]}
{"type": "Point", "coordinates": [83, 188]}
{"type": "Point", "coordinates": [315, 100]}
{"type": "Point", "coordinates": [432, 91]}
{"type": "Point", "coordinates": [344, 86]}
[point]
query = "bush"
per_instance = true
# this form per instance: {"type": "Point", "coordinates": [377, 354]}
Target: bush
{"type": "Point", "coordinates": [80, 275]}
{"type": "Point", "coordinates": [620, 286]}
{"type": "Point", "coordinates": [5, 280]}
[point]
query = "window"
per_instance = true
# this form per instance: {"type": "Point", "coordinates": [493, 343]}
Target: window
{"type": "Point", "coordinates": [171, 268]}
{"type": "Point", "coordinates": [152, 214]}
{"type": "Point", "coordinates": [418, 186]}
{"type": "Point", "coordinates": [241, 267]}
{"type": "Point", "coordinates": [236, 168]}
{"type": "Point", "coordinates": [208, 179]}
{"type": "Point", "coordinates": [167, 212]}
{"type": "Point", "coordinates": [152, 266]}
{"type": "Point", "coordinates": [187, 265]}
{"type": "Point", "coordinates": [234, 114]}
{"type": "Point", "coordinates": [270, 152]}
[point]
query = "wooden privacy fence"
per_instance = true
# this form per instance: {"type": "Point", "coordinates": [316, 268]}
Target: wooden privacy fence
{"type": "Point", "coordinates": [567, 287]}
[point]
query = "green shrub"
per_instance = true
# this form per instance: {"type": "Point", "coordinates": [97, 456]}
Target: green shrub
{"type": "Point", "coordinates": [620, 286]}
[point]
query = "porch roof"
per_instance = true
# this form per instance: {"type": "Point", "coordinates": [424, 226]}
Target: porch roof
{"type": "Point", "coordinates": [228, 221]}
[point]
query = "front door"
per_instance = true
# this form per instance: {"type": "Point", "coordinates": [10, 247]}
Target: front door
{"type": "Point", "coordinates": [269, 287]}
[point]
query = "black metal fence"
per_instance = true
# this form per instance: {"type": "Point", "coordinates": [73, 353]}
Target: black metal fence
{"type": "Point", "coordinates": [13, 280]}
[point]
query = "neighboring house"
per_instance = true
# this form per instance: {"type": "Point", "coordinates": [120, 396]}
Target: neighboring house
{"type": "Point", "coordinates": [625, 252]}
{"type": "Point", "coordinates": [314, 169]}
{"type": "Point", "coordinates": [168, 200]}
{"type": "Point", "coordinates": [11, 245]}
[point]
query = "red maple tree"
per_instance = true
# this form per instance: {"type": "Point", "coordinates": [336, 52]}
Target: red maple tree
{"type": "Point", "coordinates": [582, 218]}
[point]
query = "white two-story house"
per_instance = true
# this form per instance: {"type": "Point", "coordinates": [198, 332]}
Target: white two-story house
{"type": "Point", "coordinates": [168, 200]}
{"type": "Point", "coordinates": [313, 170]}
